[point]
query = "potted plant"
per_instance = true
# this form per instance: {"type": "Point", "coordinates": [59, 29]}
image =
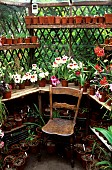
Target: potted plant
{"type": "Point", "coordinates": [3, 112]}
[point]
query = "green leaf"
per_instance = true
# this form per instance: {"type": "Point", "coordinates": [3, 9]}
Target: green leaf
{"type": "Point", "coordinates": [106, 133]}
{"type": "Point", "coordinates": [104, 163]}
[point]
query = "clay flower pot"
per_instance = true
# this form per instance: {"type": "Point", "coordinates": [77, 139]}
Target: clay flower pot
{"type": "Point", "coordinates": [3, 40]}
{"type": "Point", "coordinates": [27, 40]}
{"type": "Point", "coordinates": [87, 19]}
{"type": "Point", "coordinates": [70, 20]}
{"type": "Point", "coordinates": [86, 158]}
{"type": "Point", "coordinates": [50, 19]}
{"type": "Point", "coordinates": [41, 19]}
{"type": "Point", "coordinates": [28, 20]}
{"type": "Point", "coordinates": [14, 41]}
{"type": "Point", "coordinates": [78, 19]}
{"type": "Point", "coordinates": [7, 94]}
{"type": "Point", "coordinates": [35, 20]}
{"type": "Point", "coordinates": [64, 83]}
{"type": "Point", "coordinates": [64, 20]}
{"type": "Point", "coordinates": [94, 20]}
{"type": "Point", "coordinates": [19, 163]}
{"type": "Point", "coordinates": [57, 19]}
{"type": "Point", "coordinates": [8, 160]}
{"type": "Point", "coordinates": [92, 90]}
{"type": "Point", "coordinates": [108, 18]}
{"type": "Point", "coordinates": [34, 39]}
{"type": "Point", "coordinates": [9, 41]}
{"type": "Point", "coordinates": [42, 83]}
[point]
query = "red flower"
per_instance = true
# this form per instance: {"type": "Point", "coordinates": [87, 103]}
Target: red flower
{"type": "Point", "coordinates": [99, 51]}
{"type": "Point", "coordinates": [77, 73]}
{"type": "Point", "coordinates": [103, 81]}
{"type": "Point", "coordinates": [98, 68]}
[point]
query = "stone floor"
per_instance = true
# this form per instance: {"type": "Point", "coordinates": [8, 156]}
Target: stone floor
{"type": "Point", "coordinates": [51, 162]}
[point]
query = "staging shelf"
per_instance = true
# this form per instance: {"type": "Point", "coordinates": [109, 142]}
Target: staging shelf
{"type": "Point", "coordinates": [31, 89]}
{"type": "Point", "coordinates": [69, 26]}
{"type": "Point", "coordinates": [19, 46]}
{"type": "Point", "coordinates": [107, 47]}
{"type": "Point", "coordinates": [104, 141]}
{"type": "Point", "coordinates": [101, 103]}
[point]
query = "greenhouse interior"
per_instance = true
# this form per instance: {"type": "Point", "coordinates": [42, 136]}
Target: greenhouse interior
{"type": "Point", "coordinates": [55, 84]}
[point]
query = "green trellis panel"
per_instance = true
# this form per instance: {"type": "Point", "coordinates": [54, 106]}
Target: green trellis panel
{"type": "Point", "coordinates": [53, 42]}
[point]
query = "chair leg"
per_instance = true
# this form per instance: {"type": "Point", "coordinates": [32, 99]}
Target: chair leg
{"type": "Point", "coordinates": [72, 151]}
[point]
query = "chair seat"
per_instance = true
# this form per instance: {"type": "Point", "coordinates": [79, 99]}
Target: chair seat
{"type": "Point", "coordinates": [59, 126]}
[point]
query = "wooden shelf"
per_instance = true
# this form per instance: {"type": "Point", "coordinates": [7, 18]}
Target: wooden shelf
{"type": "Point", "coordinates": [19, 46]}
{"type": "Point", "coordinates": [107, 47]}
{"type": "Point", "coordinates": [31, 89]}
{"type": "Point", "coordinates": [69, 26]}
{"type": "Point", "coordinates": [19, 127]}
{"type": "Point", "coordinates": [102, 139]}
{"type": "Point", "coordinates": [101, 103]}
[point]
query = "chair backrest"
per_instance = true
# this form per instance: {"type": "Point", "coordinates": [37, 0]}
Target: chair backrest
{"type": "Point", "coordinates": [65, 91]}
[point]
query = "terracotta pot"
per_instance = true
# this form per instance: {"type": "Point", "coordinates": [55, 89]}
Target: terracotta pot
{"type": "Point", "coordinates": [34, 147]}
{"type": "Point", "coordinates": [87, 19]}
{"type": "Point", "coordinates": [70, 20]}
{"type": "Point", "coordinates": [27, 40]}
{"type": "Point", "coordinates": [7, 126]}
{"type": "Point", "coordinates": [51, 20]}
{"type": "Point", "coordinates": [24, 147]}
{"type": "Point", "coordinates": [3, 40]}
{"type": "Point", "coordinates": [8, 160]}
{"type": "Point", "coordinates": [18, 122]}
{"type": "Point", "coordinates": [101, 19]}
{"type": "Point", "coordinates": [106, 41]}
{"type": "Point", "coordinates": [78, 19]}
{"type": "Point", "coordinates": [102, 96]}
{"type": "Point", "coordinates": [110, 41]}
{"type": "Point", "coordinates": [19, 163]}
{"type": "Point", "coordinates": [64, 83]}
{"type": "Point", "coordinates": [64, 20]}
{"type": "Point", "coordinates": [14, 41]}
{"type": "Point", "coordinates": [7, 94]}
{"type": "Point", "coordinates": [9, 41]}
{"type": "Point", "coordinates": [57, 19]}
{"type": "Point", "coordinates": [20, 40]}
{"type": "Point", "coordinates": [86, 158]}
{"type": "Point", "coordinates": [108, 18]}
{"type": "Point", "coordinates": [35, 20]}
{"type": "Point", "coordinates": [22, 86]}
{"type": "Point", "coordinates": [27, 82]}
{"type": "Point", "coordinates": [92, 90]}
{"type": "Point", "coordinates": [41, 19]}
{"type": "Point", "coordinates": [90, 139]}
{"type": "Point", "coordinates": [94, 20]}
{"type": "Point", "coordinates": [34, 39]}
{"type": "Point", "coordinates": [42, 83]}
{"type": "Point", "coordinates": [28, 20]}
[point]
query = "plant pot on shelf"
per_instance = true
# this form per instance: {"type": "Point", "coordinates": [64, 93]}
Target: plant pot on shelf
{"type": "Point", "coordinates": [102, 97]}
{"type": "Point", "coordinates": [101, 19]}
{"type": "Point", "coordinates": [20, 40]}
{"type": "Point", "coordinates": [87, 19]}
{"type": "Point", "coordinates": [18, 122]}
{"type": "Point", "coordinates": [78, 19]}
{"type": "Point", "coordinates": [14, 41]}
{"type": "Point", "coordinates": [64, 20]}
{"type": "Point", "coordinates": [94, 20]}
{"type": "Point", "coordinates": [9, 41]}
{"type": "Point", "coordinates": [70, 20]}
{"type": "Point", "coordinates": [92, 90]}
{"type": "Point", "coordinates": [51, 20]}
{"type": "Point", "coordinates": [34, 39]}
{"type": "Point", "coordinates": [64, 83]}
{"type": "Point", "coordinates": [27, 40]}
{"type": "Point", "coordinates": [8, 160]}
{"type": "Point", "coordinates": [35, 20]}
{"type": "Point", "coordinates": [108, 18]}
{"type": "Point", "coordinates": [42, 82]}
{"type": "Point", "coordinates": [3, 40]}
{"type": "Point", "coordinates": [28, 20]}
{"type": "Point", "coordinates": [41, 19]}
{"type": "Point", "coordinates": [22, 86]}
{"type": "Point", "coordinates": [7, 94]}
{"type": "Point", "coordinates": [57, 20]}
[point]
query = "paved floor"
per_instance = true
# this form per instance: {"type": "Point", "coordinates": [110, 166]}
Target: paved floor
{"type": "Point", "coordinates": [51, 162]}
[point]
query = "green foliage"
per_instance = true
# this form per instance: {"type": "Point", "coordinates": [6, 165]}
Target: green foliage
{"type": "Point", "coordinates": [3, 111]}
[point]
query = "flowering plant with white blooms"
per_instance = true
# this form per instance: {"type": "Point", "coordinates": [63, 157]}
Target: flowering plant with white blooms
{"type": "Point", "coordinates": [41, 72]}
{"type": "Point", "coordinates": [1, 136]}
{"type": "Point", "coordinates": [63, 68]}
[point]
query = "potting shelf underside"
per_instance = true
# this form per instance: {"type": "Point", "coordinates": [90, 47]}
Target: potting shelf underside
{"type": "Point", "coordinates": [31, 89]}
{"type": "Point", "coordinates": [70, 26]}
{"type": "Point", "coordinates": [19, 46]}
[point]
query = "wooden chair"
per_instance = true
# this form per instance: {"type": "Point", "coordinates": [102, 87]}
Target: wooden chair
{"type": "Point", "coordinates": [59, 126]}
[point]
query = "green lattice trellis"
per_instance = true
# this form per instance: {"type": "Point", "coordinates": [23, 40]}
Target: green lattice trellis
{"type": "Point", "coordinates": [53, 42]}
